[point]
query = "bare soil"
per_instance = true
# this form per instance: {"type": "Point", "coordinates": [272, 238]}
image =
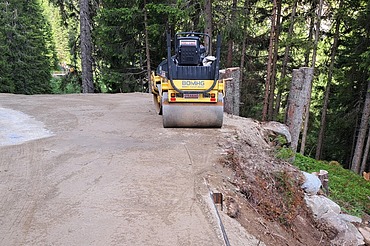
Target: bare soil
{"type": "Point", "coordinates": [265, 190]}
{"type": "Point", "coordinates": [110, 174]}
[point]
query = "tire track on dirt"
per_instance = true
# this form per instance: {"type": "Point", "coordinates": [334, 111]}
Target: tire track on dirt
{"type": "Point", "coordinates": [111, 175]}
{"type": "Point", "coordinates": [21, 198]}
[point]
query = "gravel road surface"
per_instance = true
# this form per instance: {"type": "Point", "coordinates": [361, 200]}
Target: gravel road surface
{"type": "Point", "coordinates": [103, 172]}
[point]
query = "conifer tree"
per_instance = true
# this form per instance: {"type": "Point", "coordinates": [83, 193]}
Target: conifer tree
{"type": "Point", "coordinates": [6, 82]}
{"type": "Point", "coordinates": [27, 52]}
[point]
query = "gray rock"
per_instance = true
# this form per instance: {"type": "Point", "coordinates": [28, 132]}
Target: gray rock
{"type": "Point", "coordinates": [348, 235]}
{"type": "Point", "coordinates": [278, 128]}
{"type": "Point", "coordinates": [321, 205]}
{"type": "Point", "coordinates": [366, 234]}
{"type": "Point", "coordinates": [311, 184]}
{"type": "Point", "coordinates": [350, 218]}
{"type": "Point", "coordinates": [339, 226]}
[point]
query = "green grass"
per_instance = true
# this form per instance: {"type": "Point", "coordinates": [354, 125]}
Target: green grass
{"type": "Point", "coordinates": [349, 190]}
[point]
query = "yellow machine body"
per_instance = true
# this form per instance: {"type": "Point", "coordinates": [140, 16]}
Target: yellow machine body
{"type": "Point", "coordinates": [188, 110]}
{"type": "Point", "coordinates": [187, 93]}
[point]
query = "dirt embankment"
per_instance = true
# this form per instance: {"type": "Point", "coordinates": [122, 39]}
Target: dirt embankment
{"type": "Point", "coordinates": [265, 190]}
{"type": "Point", "coordinates": [110, 174]}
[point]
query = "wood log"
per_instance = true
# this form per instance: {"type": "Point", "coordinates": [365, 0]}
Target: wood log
{"type": "Point", "coordinates": [323, 175]}
{"type": "Point", "coordinates": [232, 90]}
{"type": "Point", "coordinates": [366, 176]}
{"type": "Point", "coordinates": [297, 102]}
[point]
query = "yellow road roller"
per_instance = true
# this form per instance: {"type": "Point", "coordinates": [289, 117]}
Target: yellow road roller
{"type": "Point", "coordinates": [186, 88]}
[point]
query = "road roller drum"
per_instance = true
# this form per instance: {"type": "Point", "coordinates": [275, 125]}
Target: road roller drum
{"type": "Point", "coordinates": [186, 88]}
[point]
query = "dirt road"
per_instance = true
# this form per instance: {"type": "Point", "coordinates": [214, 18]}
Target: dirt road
{"type": "Point", "coordinates": [109, 175]}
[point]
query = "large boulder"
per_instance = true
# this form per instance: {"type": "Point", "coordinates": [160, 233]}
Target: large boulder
{"type": "Point", "coordinates": [338, 226]}
{"type": "Point", "coordinates": [311, 184]}
{"type": "Point", "coordinates": [366, 234]}
{"type": "Point", "coordinates": [321, 206]}
{"type": "Point", "coordinates": [278, 128]}
{"type": "Point", "coordinates": [347, 234]}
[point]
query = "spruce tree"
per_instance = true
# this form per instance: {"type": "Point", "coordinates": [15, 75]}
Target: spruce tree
{"type": "Point", "coordinates": [25, 42]}
{"type": "Point", "coordinates": [6, 82]}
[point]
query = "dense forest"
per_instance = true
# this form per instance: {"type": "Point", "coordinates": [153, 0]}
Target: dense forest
{"type": "Point", "coordinates": [111, 46]}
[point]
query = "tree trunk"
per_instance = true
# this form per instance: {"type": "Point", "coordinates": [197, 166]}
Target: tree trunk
{"type": "Point", "coordinates": [323, 175]}
{"type": "Point", "coordinates": [290, 34]}
{"type": "Point", "coordinates": [229, 60]}
{"type": "Point", "coordinates": [274, 61]}
{"type": "Point", "coordinates": [244, 45]}
{"type": "Point", "coordinates": [310, 34]}
{"type": "Point", "coordinates": [317, 35]}
{"type": "Point", "coordinates": [232, 90]}
{"type": "Point", "coordinates": [86, 47]}
{"type": "Point", "coordinates": [297, 101]}
{"type": "Point", "coordinates": [314, 53]}
{"type": "Point", "coordinates": [230, 43]}
{"type": "Point", "coordinates": [367, 169]}
{"type": "Point", "coordinates": [366, 154]}
{"type": "Point", "coordinates": [147, 50]}
{"type": "Point", "coordinates": [320, 139]}
{"type": "Point", "coordinates": [285, 60]}
{"type": "Point", "coordinates": [357, 122]}
{"type": "Point", "coordinates": [362, 133]}
{"type": "Point", "coordinates": [269, 63]}
{"type": "Point", "coordinates": [208, 23]}
{"type": "Point", "coordinates": [242, 58]}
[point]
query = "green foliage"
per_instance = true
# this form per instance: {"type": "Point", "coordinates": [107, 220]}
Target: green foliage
{"type": "Point", "coordinates": [65, 85]}
{"type": "Point", "coordinates": [118, 82]}
{"type": "Point", "coordinates": [59, 33]}
{"type": "Point", "coordinates": [348, 87]}
{"type": "Point", "coordinates": [6, 82]}
{"type": "Point", "coordinates": [64, 18]}
{"type": "Point", "coordinates": [71, 82]}
{"type": "Point", "coordinates": [119, 40]}
{"type": "Point", "coordinates": [284, 153]}
{"type": "Point", "coordinates": [346, 188]}
{"type": "Point", "coordinates": [27, 51]}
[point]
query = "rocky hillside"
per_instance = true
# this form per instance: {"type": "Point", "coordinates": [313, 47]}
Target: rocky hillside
{"type": "Point", "coordinates": [264, 194]}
